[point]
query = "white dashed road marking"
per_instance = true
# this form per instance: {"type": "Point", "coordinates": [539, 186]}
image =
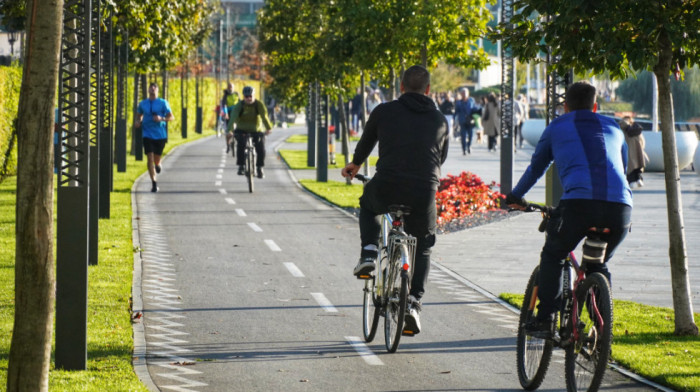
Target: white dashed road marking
{"type": "Point", "coordinates": [217, 183]}
{"type": "Point", "coordinates": [223, 191]}
{"type": "Point", "coordinates": [324, 302]}
{"type": "Point", "coordinates": [230, 201]}
{"type": "Point", "coordinates": [255, 227]}
{"type": "Point", "coordinates": [364, 351]}
{"type": "Point", "coordinates": [273, 247]}
{"type": "Point", "coordinates": [240, 212]}
{"type": "Point", "coordinates": [294, 270]}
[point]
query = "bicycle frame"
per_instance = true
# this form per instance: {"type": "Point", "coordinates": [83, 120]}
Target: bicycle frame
{"type": "Point", "coordinates": [570, 299]}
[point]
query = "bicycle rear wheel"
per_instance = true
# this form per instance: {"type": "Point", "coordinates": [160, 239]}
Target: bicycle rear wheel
{"type": "Point", "coordinates": [533, 354]}
{"type": "Point", "coordinates": [370, 311]}
{"type": "Point", "coordinates": [587, 357]}
{"type": "Point", "coordinates": [396, 286]}
{"type": "Point", "coordinates": [250, 168]}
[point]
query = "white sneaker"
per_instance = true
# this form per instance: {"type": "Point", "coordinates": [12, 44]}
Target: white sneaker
{"type": "Point", "coordinates": [640, 183]}
{"type": "Point", "coordinates": [412, 323]}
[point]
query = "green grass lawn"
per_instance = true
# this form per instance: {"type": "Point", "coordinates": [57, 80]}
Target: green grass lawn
{"type": "Point", "coordinates": [110, 341]}
{"type": "Point", "coordinates": [299, 138]}
{"type": "Point", "coordinates": [336, 192]}
{"type": "Point", "coordinates": [644, 343]}
{"type": "Point", "coordinates": [296, 160]}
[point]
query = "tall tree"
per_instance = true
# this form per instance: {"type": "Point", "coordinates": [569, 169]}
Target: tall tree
{"type": "Point", "coordinates": [30, 350]}
{"type": "Point", "coordinates": [619, 36]}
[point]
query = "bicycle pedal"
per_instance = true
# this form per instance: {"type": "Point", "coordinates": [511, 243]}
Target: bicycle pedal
{"type": "Point", "coordinates": [406, 332]}
{"type": "Point", "coordinates": [364, 276]}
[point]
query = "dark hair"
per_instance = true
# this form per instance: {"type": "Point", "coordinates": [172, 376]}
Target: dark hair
{"type": "Point", "coordinates": [248, 91]}
{"type": "Point", "coordinates": [153, 85]}
{"type": "Point", "coordinates": [416, 79]}
{"type": "Point", "coordinates": [580, 95]}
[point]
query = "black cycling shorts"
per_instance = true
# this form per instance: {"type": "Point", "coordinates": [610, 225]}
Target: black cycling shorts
{"type": "Point", "coordinates": [154, 146]}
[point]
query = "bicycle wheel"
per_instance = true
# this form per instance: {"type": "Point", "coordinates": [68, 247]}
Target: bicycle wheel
{"type": "Point", "coordinates": [533, 354]}
{"type": "Point", "coordinates": [396, 299]}
{"type": "Point", "coordinates": [587, 357]}
{"type": "Point", "coordinates": [250, 168]}
{"type": "Point", "coordinates": [370, 311]}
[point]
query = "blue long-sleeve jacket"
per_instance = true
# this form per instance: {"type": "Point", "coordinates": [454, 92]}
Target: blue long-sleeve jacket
{"type": "Point", "coordinates": [591, 156]}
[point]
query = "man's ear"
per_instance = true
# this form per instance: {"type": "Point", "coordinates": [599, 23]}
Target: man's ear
{"type": "Point", "coordinates": [401, 87]}
{"type": "Point", "coordinates": [427, 90]}
{"type": "Point", "coordinates": [595, 106]}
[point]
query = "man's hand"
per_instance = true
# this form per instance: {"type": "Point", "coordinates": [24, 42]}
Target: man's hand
{"type": "Point", "coordinates": [515, 202]}
{"type": "Point", "coordinates": [350, 170]}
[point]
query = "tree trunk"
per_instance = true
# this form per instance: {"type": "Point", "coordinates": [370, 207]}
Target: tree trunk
{"type": "Point", "coordinates": [680, 283]}
{"type": "Point", "coordinates": [30, 351]}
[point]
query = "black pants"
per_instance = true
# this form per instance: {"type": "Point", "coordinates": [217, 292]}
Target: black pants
{"type": "Point", "coordinates": [421, 223]}
{"type": "Point", "coordinates": [258, 142]}
{"type": "Point", "coordinates": [567, 227]}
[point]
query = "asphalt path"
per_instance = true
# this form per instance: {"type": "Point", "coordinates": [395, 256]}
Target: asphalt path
{"type": "Point", "coordinates": [254, 292]}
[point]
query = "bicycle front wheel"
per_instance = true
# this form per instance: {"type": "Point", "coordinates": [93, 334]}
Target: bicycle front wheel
{"type": "Point", "coordinates": [587, 357]}
{"type": "Point", "coordinates": [250, 169]}
{"type": "Point", "coordinates": [533, 354]}
{"type": "Point", "coordinates": [396, 287]}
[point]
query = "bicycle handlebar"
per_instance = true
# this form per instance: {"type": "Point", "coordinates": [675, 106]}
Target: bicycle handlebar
{"type": "Point", "coordinates": [545, 210]}
{"type": "Point", "coordinates": [362, 178]}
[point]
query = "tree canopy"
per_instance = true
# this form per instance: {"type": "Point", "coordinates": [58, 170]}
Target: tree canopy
{"type": "Point", "coordinates": [312, 40]}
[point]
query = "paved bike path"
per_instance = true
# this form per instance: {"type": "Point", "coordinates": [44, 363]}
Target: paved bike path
{"type": "Point", "coordinates": [253, 292]}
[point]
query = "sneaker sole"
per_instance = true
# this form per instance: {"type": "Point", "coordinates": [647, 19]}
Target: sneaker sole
{"type": "Point", "coordinates": [410, 328]}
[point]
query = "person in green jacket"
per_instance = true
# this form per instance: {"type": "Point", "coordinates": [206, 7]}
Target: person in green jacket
{"type": "Point", "coordinates": [246, 116]}
{"type": "Point", "coordinates": [229, 100]}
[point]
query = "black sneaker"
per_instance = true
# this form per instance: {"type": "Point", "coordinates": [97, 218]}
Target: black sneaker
{"type": "Point", "coordinates": [241, 170]}
{"type": "Point", "coordinates": [261, 173]}
{"type": "Point", "coordinates": [364, 267]}
{"type": "Point", "coordinates": [541, 329]}
{"type": "Point", "coordinates": [158, 168]}
{"type": "Point", "coordinates": [411, 324]}
{"type": "Point", "coordinates": [154, 188]}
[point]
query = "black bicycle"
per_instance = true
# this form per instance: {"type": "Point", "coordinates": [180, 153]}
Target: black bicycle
{"type": "Point", "coordinates": [386, 291]}
{"type": "Point", "coordinates": [585, 320]}
{"type": "Point", "coordinates": [249, 161]}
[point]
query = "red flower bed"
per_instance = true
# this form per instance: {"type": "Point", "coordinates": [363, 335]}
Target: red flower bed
{"type": "Point", "coordinates": [464, 195]}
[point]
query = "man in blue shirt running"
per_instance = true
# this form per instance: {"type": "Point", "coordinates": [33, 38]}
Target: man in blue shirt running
{"type": "Point", "coordinates": [154, 113]}
{"type": "Point", "coordinates": [590, 153]}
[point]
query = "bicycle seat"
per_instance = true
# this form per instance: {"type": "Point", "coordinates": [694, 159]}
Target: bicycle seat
{"type": "Point", "coordinates": [400, 209]}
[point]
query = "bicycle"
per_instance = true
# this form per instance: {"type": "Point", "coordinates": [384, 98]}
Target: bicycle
{"type": "Point", "coordinates": [585, 320]}
{"type": "Point", "coordinates": [249, 161]}
{"type": "Point", "coordinates": [386, 292]}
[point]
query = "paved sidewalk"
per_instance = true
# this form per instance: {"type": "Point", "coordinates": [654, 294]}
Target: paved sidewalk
{"type": "Point", "coordinates": [500, 256]}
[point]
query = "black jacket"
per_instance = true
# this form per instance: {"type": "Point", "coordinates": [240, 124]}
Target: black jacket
{"type": "Point", "coordinates": [413, 140]}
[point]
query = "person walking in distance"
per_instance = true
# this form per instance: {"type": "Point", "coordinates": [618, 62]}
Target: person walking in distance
{"type": "Point", "coordinates": [464, 109]}
{"type": "Point", "coordinates": [153, 115]}
{"type": "Point", "coordinates": [413, 139]}
{"type": "Point", "coordinates": [590, 153]}
{"type": "Point", "coordinates": [637, 157]}
{"type": "Point", "coordinates": [491, 120]}
{"type": "Point", "coordinates": [246, 116]}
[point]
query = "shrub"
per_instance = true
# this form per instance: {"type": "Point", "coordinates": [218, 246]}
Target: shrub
{"type": "Point", "coordinates": [464, 195]}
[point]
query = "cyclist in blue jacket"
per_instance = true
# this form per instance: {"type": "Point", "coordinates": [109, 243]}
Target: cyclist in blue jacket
{"type": "Point", "coordinates": [590, 153]}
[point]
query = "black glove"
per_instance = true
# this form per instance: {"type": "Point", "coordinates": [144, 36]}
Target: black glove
{"type": "Point", "coordinates": [512, 199]}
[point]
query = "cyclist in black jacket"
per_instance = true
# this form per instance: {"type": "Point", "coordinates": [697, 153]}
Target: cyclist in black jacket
{"type": "Point", "coordinates": [413, 138]}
